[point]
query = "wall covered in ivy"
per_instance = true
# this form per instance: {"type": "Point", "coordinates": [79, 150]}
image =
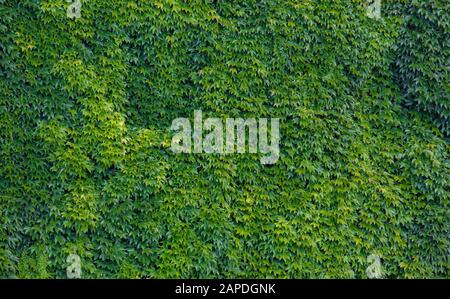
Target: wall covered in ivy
{"type": "Point", "coordinates": [86, 167]}
{"type": "Point", "coordinates": [422, 65]}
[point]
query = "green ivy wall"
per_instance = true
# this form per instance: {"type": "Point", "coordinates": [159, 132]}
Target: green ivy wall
{"type": "Point", "coordinates": [86, 167]}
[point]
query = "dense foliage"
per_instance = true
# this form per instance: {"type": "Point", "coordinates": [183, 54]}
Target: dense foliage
{"type": "Point", "coordinates": [86, 167]}
{"type": "Point", "coordinates": [423, 58]}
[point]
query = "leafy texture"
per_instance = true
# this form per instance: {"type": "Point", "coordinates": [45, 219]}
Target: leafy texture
{"type": "Point", "coordinates": [85, 165]}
